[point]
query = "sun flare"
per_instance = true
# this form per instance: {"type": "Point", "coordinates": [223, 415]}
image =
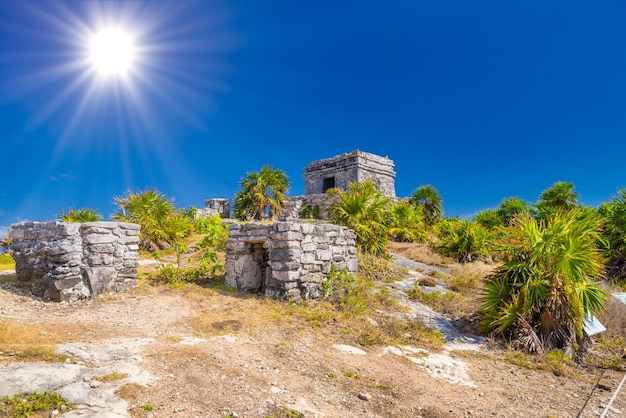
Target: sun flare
{"type": "Point", "coordinates": [112, 52]}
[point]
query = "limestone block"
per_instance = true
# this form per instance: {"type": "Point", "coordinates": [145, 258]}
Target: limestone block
{"type": "Point", "coordinates": [99, 238]}
{"type": "Point", "coordinates": [316, 277]}
{"type": "Point", "coordinates": [282, 266]}
{"type": "Point", "coordinates": [308, 257]}
{"type": "Point", "coordinates": [293, 295]}
{"type": "Point", "coordinates": [280, 285]}
{"type": "Point", "coordinates": [312, 291]}
{"type": "Point", "coordinates": [307, 228]}
{"type": "Point", "coordinates": [323, 255]}
{"type": "Point", "coordinates": [287, 236]}
{"type": "Point", "coordinates": [100, 279]}
{"type": "Point", "coordinates": [287, 226]}
{"type": "Point", "coordinates": [352, 265]}
{"type": "Point", "coordinates": [286, 276]}
{"type": "Point", "coordinates": [308, 247]}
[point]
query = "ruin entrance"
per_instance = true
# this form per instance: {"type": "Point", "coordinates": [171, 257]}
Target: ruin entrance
{"type": "Point", "coordinates": [329, 183]}
{"type": "Point", "coordinates": [257, 274]}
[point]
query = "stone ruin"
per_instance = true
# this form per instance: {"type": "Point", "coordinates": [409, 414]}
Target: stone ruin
{"type": "Point", "coordinates": [71, 261]}
{"type": "Point", "coordinates": [355, 167]}
{"type": "Point", "coordinates": [215, 206]}
{"type": "Point", "coordinates": [338, 172]}
{"type": "Point", "coordinates": [287, 260]}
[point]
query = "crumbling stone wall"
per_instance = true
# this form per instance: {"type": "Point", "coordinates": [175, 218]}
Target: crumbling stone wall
{"type": "Point", "coordinates": [355, 167]}
{"type": "Point", "coordinates": [315, 206]}
{"type": "Point", "coordinates": [72, 261]}
{"type": "Point", "coordinates": [215, 206]}
{"type": "Point", "coordinates": [287, 260]}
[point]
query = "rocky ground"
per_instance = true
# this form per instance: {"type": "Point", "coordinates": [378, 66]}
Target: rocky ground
{"type": "Point", "coordinates": [210, 353]}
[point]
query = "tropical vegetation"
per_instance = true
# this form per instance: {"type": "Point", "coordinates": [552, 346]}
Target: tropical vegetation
{"type": "Point", "coordinates": [79, 215]}
{"type": "Point", "coordinates": [261, 194]}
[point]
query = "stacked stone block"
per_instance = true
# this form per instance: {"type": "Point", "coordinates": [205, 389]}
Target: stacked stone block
{"type": "Point", "coordinates": [315, 206]}
{"type": "Point", "coordinates": [72, 261]}
{"type": "Point", "coordinates": [287, 260]}
{"type": "Point", "coordinates": [354, 167]}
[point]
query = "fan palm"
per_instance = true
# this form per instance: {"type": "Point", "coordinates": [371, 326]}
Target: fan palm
{"type": "Point", "coordinates": [362, 209]}
{"type": "Point", "coordinates": [79, 215]}
{"type": "Point", "coordinates": [560, 197]}
{"type": "Point", "coordinates": [545, 290]}
{"type": "Point", "coordinates": [406, 223]}
{"type": "Point", "coordinates": [261, 194]}
{"type": "Point", "coordinates": [429, 199]}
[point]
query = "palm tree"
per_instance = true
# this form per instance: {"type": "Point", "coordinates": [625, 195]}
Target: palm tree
{"type": "Point", "coordinates": [157, 216]}
{"type": "Point", "coordinates": [560, 197]}
{"type": "Point", "coordinates": [362, 208]}
{"type": "Point", "coordinates": [541, 295]}
{"type": "Point", "coordinates": [429, 199]}
{"type": "Point", "coordinates": [406, 223]}
{"type": "Point", "coordinates": [613, 214]}
{"type": "Point", "coordinates": [79, 215]}
{"type": "Point", "coordinates": [261, 194]}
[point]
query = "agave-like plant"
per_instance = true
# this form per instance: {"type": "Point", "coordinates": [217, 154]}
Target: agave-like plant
{"type": "Point", "coordinates": [541, 295]}
{"type": "Point", "coordinates": [362, 208]}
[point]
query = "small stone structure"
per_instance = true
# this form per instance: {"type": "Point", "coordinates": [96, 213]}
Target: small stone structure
{"type": "Point", "coordinates": [215, 206]}
{"type": "Point", "coordinates": [287, 260]}
{"type": "Point", "coordinates": [355, 167]}
{"type": "Point", "coordinates": [72, 261]}
{"type": "Point", "coordinates": [314, 206]}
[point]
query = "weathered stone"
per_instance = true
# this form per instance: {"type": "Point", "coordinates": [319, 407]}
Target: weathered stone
{"type": "Point", "coordinates": [285, 263]}
{"type": "Point", "coordinates": [72, 261]}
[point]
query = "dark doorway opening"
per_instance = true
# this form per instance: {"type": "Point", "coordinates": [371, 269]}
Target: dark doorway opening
{"type": "Point", "coordinates": [260, 255]}
{"type": "Point", "coordinates": [329, 183]}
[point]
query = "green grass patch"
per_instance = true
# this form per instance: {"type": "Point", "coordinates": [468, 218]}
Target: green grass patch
{"type": "Point", "coordinates": [26, 405]}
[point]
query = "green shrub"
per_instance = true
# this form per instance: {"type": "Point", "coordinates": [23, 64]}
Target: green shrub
{"type": "Point", "coordinates": [6, 259]}
{"type": "Point", "coordinates": [79, 215]}
{"type": "Point", "coordinates": [215, 232]}
{"type": "Point", "coordinates": [463, 240]}
{"type": "Point", "coordinates": [26, 405]}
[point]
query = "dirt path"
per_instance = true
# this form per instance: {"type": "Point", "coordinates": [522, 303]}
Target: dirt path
{"type": "Point", "coordinates": [251, 368]}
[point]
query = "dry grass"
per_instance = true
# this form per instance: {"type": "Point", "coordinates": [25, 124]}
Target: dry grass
{"type": "Point", "coordinates": [423, 253]}
{"type": "Point", "coordinates": [112, 377]}
{"type": "Point", "coordinates": [28, 342]}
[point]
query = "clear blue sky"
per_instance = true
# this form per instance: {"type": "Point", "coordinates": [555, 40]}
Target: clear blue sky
{"type": "Point", "coordinates": [482, 99]}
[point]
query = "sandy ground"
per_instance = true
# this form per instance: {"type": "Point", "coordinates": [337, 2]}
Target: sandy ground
{"type": "Point", "coordinates": [281, 368]}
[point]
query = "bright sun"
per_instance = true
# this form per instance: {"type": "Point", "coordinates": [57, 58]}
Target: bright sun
{"type": "Point", "coordinates": [112, 52]}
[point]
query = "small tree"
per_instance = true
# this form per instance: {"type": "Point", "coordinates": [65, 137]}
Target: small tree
{"type": "Point", "coordinates": [542, 293]}
{"type": "Point", "coordinates": [560, 197]}
{"type": "Point", "coordinates": [362, 209]}
{"type": "Point", "coordinates": [406, 223]}
{"type": "Point", "coordinates": [79, 215]}
{"type": "Point", "coordinates": [429, 199]}
{"type": "Point", "coordinates": [159, 221]}
{"type": "Point", "coordinates": [261, 194]}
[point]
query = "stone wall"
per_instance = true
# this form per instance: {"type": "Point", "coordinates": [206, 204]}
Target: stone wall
{"type": "Point", "coordinates": [72, 261]}
{"type": "Point", "coordinates": [215, 206]}
{"type": "Point", "coordinates": [287, 260]}
{"type": "Point", "coordinates": [315, 206]}
{"type": "Point", "coordinates": [354, 167]}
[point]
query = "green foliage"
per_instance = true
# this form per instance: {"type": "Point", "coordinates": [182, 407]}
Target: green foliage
{"type": "Point", "coordinates": [351, 291]}
{"type": "Point", "coordinates": [406, 223]}
{"type": "Point", "coordinates": [147, 407]}
{"type": "Point", "coordinates": [561, 197]}
{"type": "Point", "coordinates": [545, 289]}
{"type": "Point", "coordinates": [160, 223]}
{"type": "Point", "coordinates": [26, 405]}
{"type": "Point", "coordinates": [463, 240]}
{"type": "Point", "coordinates": [261, 194]}
{"type": "Point", "coordinates": [215, 232]}
{"type": "Point", "coordinates": [613, 214]}
{"type": "Point", "coordinates": [310, 212]}
{"type": "Point", "coordinates": [79, 215]}
{"type": "Point", "coordinates": [428, 198]}
{"type": "Point", "coordinates": [6, 259]}
{"type": "Point", "coordinates": [362, 209]}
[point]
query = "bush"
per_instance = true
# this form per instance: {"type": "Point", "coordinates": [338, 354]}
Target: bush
{"type": "Point", "coordinates": [463, 240]}
{"type": "Point", "coordinates": [6, 259]}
